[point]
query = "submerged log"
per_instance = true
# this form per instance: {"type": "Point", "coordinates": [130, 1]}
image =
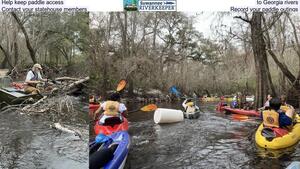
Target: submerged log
{"type": "Point", "coordinates": [58, 126]}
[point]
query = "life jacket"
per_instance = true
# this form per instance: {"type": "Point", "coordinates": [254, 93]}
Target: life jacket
{"type": "Point", "coordinates": [34, 78]}
{"type": "Point", "coordinates": [284, 108]}
{"type": "Point", "coordinates": [111, 108]}
{"type": "Point", "coordinates": [270, 118]}
{"type": "Point", "coordinates": [190, 109]}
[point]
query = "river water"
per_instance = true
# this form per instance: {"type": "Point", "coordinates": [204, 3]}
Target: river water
{"type": "Point", "coordinates": [28, 142]}
{"type": "Point", "coordinates": [215, 140]}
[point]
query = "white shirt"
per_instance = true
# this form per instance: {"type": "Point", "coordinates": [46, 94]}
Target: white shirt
{"type": "Point", "coordinates": [122, 107]}
{"type": "Point", "coordinates": [30, 75]}
{"type": "Point", "coordinates": [185, 106]}
{"type": "Point", "coordinates": [267, 104]}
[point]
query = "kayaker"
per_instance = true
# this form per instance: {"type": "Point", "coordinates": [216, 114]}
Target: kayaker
{"type": "Point", "coordinates": [288, 109]}
{"type": "Point", "coordinates": [274, 117]}
{"type": "Point", "coordinates": [111, 108]}
{"type": "Point", "coordinates": [189, 106]}
{"type": "Point", "coordinates": [267, 103]}
{"type": "Point", "coordinates": [33, 78]}
{"type": "Point", "coordinates": [234, 103]}
{"type": "Point", "coordinates": [222, 102]}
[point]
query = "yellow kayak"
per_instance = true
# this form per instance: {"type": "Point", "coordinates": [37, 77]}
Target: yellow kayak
{"type": "Point", "coordinates": [279, 142]}
{"type": "Point", "coordinates": [210, 99]}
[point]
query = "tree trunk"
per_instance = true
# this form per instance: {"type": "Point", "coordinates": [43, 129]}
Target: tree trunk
{"type": "Point", "coordinates": [28, 44]}
{"type": "Point", "coordinates": [131, 86]}
{"type": "Point", "coordinates": [260, 58]}
{"type": "Point", "coordinates": [6, 59]}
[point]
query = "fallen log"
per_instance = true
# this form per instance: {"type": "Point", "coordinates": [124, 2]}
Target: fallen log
{"type": "Point", "coordinates": [64, 129]}
{"type": "Point", "coordinates": [26, 108]}
{"type": "Point", "coordinates": [66, 78]}
{"type": "Point", "coordinates": [78, 82]}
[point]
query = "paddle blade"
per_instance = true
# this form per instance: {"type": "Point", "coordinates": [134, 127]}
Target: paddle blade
{"type": "Point", "coordinates": [150, 107]}
{"type": "Point", "coordinates": [239, 117]}
{"type": "Point", "coordinates": [121, 85]}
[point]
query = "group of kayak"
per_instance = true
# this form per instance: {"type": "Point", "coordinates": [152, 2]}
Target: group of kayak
{"type": "Point", "coordinates": [110, 147]}
{"type": "Point", "coordinates": [280, 126]}
{"type": "Point", "coordinates": [279, 129]}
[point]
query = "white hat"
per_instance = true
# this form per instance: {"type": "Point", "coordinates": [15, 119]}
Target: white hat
{"type": "Point", "coordinates": [37, 66]}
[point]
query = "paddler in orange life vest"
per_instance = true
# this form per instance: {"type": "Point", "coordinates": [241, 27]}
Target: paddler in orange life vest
{"type": "Point", "coordinates": [111, 108]}
{"type": "Point", "coordinates": [33, 78]}
{"type": "Point", "coordinates": [274, 116]}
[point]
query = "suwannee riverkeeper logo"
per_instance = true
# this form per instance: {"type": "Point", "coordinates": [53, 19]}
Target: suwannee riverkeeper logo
{"type": "Point", "coordinates": [150, 5]}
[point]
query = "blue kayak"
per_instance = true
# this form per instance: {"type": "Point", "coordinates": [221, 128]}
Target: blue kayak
{"type": "Point", "coordinates": [110, 152]}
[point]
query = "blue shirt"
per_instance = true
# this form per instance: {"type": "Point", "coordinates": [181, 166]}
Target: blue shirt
{"type": "Point", "coordinates": [284, 120]}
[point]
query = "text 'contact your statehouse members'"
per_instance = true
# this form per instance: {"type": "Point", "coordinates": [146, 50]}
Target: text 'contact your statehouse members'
{"type": "Point", "coordinates": [38, 6]}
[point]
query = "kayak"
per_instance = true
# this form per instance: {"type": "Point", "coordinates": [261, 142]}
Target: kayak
{"type": "Point", "coordinates": [11, 95]}
{"type": "Point", "coordinates": [112, 125]}
{"type": "Point", "coordinates": [220, 106]}
{"type": "Point", "coordinates": [210, 99]}
{"type": "Point", "coordinates": [193, 115]}
{"type": "Point", "coordinates": [282, 138]}
{"type": "Point", "coordinates": [112, 153]}
{"type": "Point", "coordinates": [93, 106]}
{"type": "Point", "coordinates": [241, 111]}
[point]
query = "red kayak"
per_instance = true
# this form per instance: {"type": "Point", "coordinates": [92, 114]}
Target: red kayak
{"type": "Point", "coordinates": [112, 125]}
{"type": "Point", "coordinates": [93, 106]}
{"type": "Point", "coordinates": [241, 111]}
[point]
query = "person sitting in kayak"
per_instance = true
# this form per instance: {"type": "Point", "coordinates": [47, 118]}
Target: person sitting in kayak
{"type": "Point", "coordinates": [288, 109]}
{"type": "Point", "coordinates": [33, 78]}
{"type": "Point", "coordinates": [234, 103]}
{"type": "Point", "coordinates": [267, 103]}
{"type": "Point", "coordinates": [111, 108]}
{"type": "Point", "coordinates": [274, 117]}
{"type": "Point", "coordinates": [189, 106]}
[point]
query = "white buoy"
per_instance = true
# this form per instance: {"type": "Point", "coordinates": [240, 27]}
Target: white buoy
{"type": "Point", "coordinates": [162, 115]}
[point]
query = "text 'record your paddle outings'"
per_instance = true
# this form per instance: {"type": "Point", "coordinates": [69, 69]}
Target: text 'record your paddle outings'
{"type": "Point", "coordinates": [39, 6]}
{"type": "Point", "coordinates": [269, 6]}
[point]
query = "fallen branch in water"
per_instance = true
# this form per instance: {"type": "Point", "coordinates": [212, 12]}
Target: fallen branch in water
{"type": "Point", "coordinates": [26, 108]}
{"type": "Point", "coordinates": [58, 126]}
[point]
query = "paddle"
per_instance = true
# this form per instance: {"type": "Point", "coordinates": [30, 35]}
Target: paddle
{"type": "Point", "coordinates": [121, 85]}
{"type": "Point", "coordinates": [175, 91]}
{"type": "Point", "coordinates": [147, 108]}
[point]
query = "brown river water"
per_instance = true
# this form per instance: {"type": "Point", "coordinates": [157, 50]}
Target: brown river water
{"type": "Point", "coordinates": [215, 140]}
{"type": "Point", "coordinates": [28, 142]}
